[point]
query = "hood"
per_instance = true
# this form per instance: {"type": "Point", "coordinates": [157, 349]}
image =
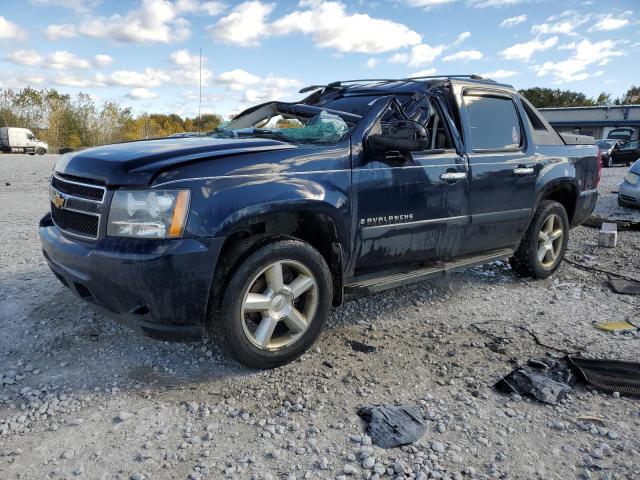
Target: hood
{"type": "Point", "coordinates": [136, 163]}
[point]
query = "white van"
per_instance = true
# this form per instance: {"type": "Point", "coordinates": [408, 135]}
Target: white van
{"type": "Point", "coordinates": [21, 140]}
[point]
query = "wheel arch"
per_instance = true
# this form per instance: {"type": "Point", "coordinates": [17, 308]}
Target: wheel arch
{"type": "Point", "coordinates": [255, 227]}
{"type": "Point", "coordinates": [561, 190]}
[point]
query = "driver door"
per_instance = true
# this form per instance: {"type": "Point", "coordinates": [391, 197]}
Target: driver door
{"type": "Point", "coordinates": [411, 207]}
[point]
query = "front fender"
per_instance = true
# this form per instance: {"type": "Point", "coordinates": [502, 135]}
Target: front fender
{"type": "Point", "coordinates": [218, 205]}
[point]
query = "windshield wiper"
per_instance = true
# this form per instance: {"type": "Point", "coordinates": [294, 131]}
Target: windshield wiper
{"type": "Point", "coordinates": [270, 133]}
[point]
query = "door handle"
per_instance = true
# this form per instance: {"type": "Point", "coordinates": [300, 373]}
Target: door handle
{"type": "Point", "coordinates": [523, 170]}
{"type": "Point", "coordinates": [452, 176]}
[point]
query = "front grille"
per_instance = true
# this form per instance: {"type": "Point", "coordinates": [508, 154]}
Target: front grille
{"type": "Point", "coordinates": [78, 189]}
{"type": "Point", "coordinates": [77, 223]}
{"type": "Point", "coordinates": [628, 198]}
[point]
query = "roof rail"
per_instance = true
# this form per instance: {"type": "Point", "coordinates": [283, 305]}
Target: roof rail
{"type": "Point", "coordinates": [339, 83]}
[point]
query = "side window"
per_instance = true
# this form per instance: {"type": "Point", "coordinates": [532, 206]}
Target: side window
{"type": "Point", "coordinates": [493, 121]}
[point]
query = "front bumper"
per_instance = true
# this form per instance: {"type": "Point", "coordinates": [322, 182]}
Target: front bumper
{"type": "Point", "coordinates": [585, 203]}
{"type": "Point", "coordinates": [160, 287]}
{"type": "Point", "coordinates": [629, 194]}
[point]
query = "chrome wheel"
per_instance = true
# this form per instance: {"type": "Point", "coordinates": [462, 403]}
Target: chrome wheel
{"type": "Point", "coordinates": [279, 305]}
{"type": "Point", "coordinates": [550, 241]}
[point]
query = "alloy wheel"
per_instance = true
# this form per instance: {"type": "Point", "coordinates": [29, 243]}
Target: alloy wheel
{"type": "Point", "coordinates": [550, 241]}
{"type": "Point", "coordinates": [279, 305]}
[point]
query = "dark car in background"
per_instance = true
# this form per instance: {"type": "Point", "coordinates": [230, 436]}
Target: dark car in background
{"type": "Point", "coordinates": [606, 147]}
{"type": "Point", "coordinates": [629, 191]}
{"type": "Point", "coordinates": [626, 153]}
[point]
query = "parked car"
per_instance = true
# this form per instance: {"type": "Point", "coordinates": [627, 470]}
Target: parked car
{"type": "Point", "coordinates": [607, 146]}
{"type": "Point", "coordinates": [629, 191]}
{"type": "Point", "coordinates": [252, 233]}
{"type": "Point", "coordinates": [625, 134]}
{"type": "Point", "coordinates": [626, 153]}
{"type": "Point", "coordinates": [21, 140]}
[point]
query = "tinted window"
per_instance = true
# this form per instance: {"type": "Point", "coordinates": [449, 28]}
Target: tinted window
{"type": "Point", "coordinates": [630, 145]}
{"type": "Point", "coordinates": [493, 121]}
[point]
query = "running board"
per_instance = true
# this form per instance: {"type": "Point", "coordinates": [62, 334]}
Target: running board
{"type": "Point", "coordinates": [376, 283]}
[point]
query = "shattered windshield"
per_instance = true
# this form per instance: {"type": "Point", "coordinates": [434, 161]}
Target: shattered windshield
{"type": "Point", "coordinates": [290, 123]}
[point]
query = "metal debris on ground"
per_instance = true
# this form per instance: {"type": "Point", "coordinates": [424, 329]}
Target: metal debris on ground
{"type": "Point", "coordinates": [548, 380]}
{"type": "Point", "coordinates": [609, 375]}
{"type": "Point", "coordinates": [393, 425]}
{"type": "Point", "coordinates": [625, 287]}
{"type": "Point", "coordinates": [608, 235]}
{"type": "Point", "coordinates": [622, 326]}
{"type": "Point", "coordinates": [361, 347]}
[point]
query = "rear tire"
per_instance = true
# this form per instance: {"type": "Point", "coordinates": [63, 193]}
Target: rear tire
{"type": "Point", "coordinates": [275, 304]}
{"type": "Point", "coordinates": [544, 244]}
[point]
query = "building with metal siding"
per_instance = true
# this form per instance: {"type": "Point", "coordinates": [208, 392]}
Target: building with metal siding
{"type": "Point", "coordinates": [594, 121]}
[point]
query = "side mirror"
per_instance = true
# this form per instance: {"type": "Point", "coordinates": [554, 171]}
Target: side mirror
{"type": "Point", "coordinates": [401, 135]}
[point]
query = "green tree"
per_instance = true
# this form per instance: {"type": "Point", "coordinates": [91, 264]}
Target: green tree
{"type": "Point", "coordinates": [548, 97]}
{"type": "Point", "coordinates": [632, 97]}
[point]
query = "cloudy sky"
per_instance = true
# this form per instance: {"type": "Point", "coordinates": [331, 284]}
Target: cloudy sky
{"type": "Point", "coordinates": [144, 53]}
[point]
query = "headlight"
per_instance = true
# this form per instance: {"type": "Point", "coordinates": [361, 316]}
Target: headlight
{"type": "Point", "coordinates": [148, 213]}
{"type": "Point", "coordinates": [631, 178]}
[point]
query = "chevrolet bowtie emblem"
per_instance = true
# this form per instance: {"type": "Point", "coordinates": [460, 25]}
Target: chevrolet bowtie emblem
{"type": "Point", "coordinates": [58, 200]}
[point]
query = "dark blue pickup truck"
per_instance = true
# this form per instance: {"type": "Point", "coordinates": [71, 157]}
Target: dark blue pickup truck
{"type": "Point", "coordinates": [251, 233]}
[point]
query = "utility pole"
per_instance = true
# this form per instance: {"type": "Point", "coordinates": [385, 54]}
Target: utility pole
{"type": "Point", "coordinates": [200, 95]}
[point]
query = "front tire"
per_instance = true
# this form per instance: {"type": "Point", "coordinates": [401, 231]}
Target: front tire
{"type": "Point", "coordinates": [41, 151]}
{"type": "Point", "coordinates": [275, 304]}
{"type": "Point", "coordinates": [544, 244]}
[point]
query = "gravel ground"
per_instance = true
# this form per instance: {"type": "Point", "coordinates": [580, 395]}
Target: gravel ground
{"type": "Point", "coordinates": [84, 397]}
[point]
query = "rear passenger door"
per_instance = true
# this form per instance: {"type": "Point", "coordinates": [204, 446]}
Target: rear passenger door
{"type": "Point", "coordinates": [502, 168]}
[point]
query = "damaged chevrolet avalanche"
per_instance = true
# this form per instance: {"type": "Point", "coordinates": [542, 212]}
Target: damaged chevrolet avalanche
{"type": "Point", "coordinates": [252, 233]}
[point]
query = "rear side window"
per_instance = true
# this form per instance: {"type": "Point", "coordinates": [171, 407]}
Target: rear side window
{"type": "Point", "coordinates": [493, 121]}
{"type": "Point", "coordinates": [541, 131]}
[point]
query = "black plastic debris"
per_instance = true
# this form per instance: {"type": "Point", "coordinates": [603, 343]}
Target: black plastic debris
{"type": "Point", "coordinates": [625, 287]}
{"type": "Point", "coordinates": [390, 426]}
{"type": "Point", "coordinates": [361, 347]}
{"type": "Point", "coordinates": [548, 380]}
{"type": "Point", "coordinates": [609, 375]}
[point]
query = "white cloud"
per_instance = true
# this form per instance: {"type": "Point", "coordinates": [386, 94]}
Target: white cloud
{"type": "Point", "coordinates": [423, 73]}
{"type": "Point", "coordinates": [513, 21]}
{"type": "Point", "coordinates": [327, 22]}
{"type": "Point", "coordinates": [463, 56]}
{"type": "Point", "coordinates": [102, 60]}
{"type": "Point", "coordinates": [493, 3]}
{"type": "Point", "coordinates": [331, 26]}
{"type": "Point", "coordinates": [565, 23]}
{"type": "Point", "coordinates": [609, 22]}
{"type": "Point", "coordinates": [24, 57]}
{"type": "Point", "coordinates": [77, 5]}
{"type": "Point", "coordinates": [575, 68]}
{"type": "Point", "coordinates": [187, 71]}
{"type": "Point", "coordinates": [63, 60]}
{"type": "Point", "coordinates": [498, 74]}
{"type": "Point", "coordinates": [237, 79]}
{"type": "Point", "coordinates": [56, 32]}
{"type": "Point", "coordinates": [524, 51]}
{"type": "Point", "coordinates": [127, 78]}
{"type": "Point", "coordinates": [245, 25]}
{"type": "Point", "coordinates": [154, 21]}
{"type": "Point", "coordinates": [141, 93]}
{"type": "Point", "coordinates": [194, 6]}
{"type": "Point", "coordinates": [271, 88]}
{"type": "Point", "coordinates": [11, 31]}
{"type": "Point", "coordinates": [461, 38]}
{"type": "Point", "coordinates": [72, 80]}
{"type": "Point", "coordinates": [184, 58]}
{"type": "Point", "coordinates": [428, 3]}
{"type": "Point", "coordinates": [372, 62]}
{"type": "Point", "coordinates": [419, 55]}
